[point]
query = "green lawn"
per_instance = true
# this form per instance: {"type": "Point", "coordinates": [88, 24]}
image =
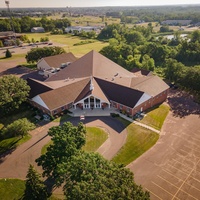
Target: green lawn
{"type": "Point", "coordinates": [95, 137]}
{"type": "Point", "coordinates": [12, 143]}
{"type": "Point", "coordinates": [138, 141]}
{"type": "Point", "coordinates": [156, 116]}
{"type": "Point", "coordinates": [68, 41]}
{"type": "Point", "coordinates": [11, 189]}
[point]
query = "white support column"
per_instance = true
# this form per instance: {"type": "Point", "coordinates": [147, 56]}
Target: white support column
{"type": "Point", "coordinates": [94, 102]}
{"type": "Point", "coordinates": [89, 102]}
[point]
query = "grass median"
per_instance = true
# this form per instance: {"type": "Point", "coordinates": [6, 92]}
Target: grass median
{"type": "Point", "coordinates": [138, 141]}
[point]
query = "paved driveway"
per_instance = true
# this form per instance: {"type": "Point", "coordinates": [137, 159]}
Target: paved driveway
{"type": "Point", "coordinates": [171, 169]}
{"type": "Point", "coordinates": [16, 164]}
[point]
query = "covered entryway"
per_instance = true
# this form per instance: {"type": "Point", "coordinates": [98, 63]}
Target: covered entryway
{"type": "Point", "coordinates": [92, 102]}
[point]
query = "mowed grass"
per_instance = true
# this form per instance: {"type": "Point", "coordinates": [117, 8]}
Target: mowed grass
{"type": "Point", "coordinates": [138, 141]}
{"type": "Point", "coordinates": [11, 189]}
{"type": "Point", "coordinates": [156, 116]}
{"type": "Point", "coordinates": [12, 143]}
{"type": "Point", "coordinates": [67, 41]}
{"type": "Point", "coordinates": [95, 137]}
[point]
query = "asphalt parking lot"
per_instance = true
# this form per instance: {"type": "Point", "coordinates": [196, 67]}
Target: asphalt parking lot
{"type": "Point", "coordinates": [171, 169]}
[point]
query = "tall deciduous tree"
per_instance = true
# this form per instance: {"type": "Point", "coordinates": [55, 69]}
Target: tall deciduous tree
{"type": "Point", "coordinates": [35, 188]}
{"type": "Point", "coordinates": [37, 53]}
{"type": "Point", "coordinates": [90, 176]}
{"type": "Point", "coordinates": [67, 141]}
{"type": "Point", "coordinates": [13, 91]}
{"type": "Point", "coordinates": [86, 175]}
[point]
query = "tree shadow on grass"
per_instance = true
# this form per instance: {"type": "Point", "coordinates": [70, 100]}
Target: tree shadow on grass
{"type": "Point", "coordinates": [7, 151]}
{"type": "Point", "coordinates": [182, 104]}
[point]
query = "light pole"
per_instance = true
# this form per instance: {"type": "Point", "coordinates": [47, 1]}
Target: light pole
{"type": "Point", "coordinates": [11, 21]}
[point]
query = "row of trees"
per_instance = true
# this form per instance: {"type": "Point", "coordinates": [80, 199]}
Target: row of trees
{"type": "Point", "coordinates": [82, 175]}
{"type": "Point", "coordinates": [24, 24]}
{"type": "Point", "coordinates": [137, 47]}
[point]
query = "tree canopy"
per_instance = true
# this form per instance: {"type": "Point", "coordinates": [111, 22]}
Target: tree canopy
{"type": "Point", "coordinates": [85, 175]}
{"type": "Point", "coordinates": [35, 54]}
{"type": "Point", "coordinates": [35, 188]}
{"type": "Point", "coordinates": [13, 92]}
{"type": "Point", "coordinates": [19, 127]}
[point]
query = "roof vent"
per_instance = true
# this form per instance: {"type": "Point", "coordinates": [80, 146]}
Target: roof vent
{"type": "Point", "coordinates": [112, 79]}
{"type": "Point", "coordinates": [116, 74]}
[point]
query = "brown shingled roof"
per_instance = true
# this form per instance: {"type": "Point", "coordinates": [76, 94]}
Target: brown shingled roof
{"type": "Point", "coordinates": [57, 60]}
{"type": "Point", "coordinates": [92, 64]}
{"type": "Point", "coordinates": [123, 95]}
{"type": "Point", "coordinates": [152, 85]}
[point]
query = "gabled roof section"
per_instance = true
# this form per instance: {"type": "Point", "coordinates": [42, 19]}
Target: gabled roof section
{"type": "Point", "coordinates": [37, 87]}
{"type": "Point", "coordinates": [57, 60]}
{"type": "Point", "coordinates": [141, 72]}
{"type": "Point", "coordinates": [152, 85]}
{"type": "Point", "coordinates": [121, 94]}
{"type": "Point", "coordinates": [96, 92]}
{"type": "Point", "coordinates": [92, 64]}
{"type": "Point", "coordinates": [64, 95]}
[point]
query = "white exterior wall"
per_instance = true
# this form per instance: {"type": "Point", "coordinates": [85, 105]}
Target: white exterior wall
{"type": "Point", "coordinates": [42, 65]}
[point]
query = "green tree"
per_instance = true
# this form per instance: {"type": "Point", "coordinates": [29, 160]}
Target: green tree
{"type": "Point", "coordinates": [85, 175]}
{"type": "Point", "coordinates": [35, 188]}
{"type": "Point", "coordinates": [8, 54]}
{"type": "Point", "coordinates": [19, 127]}
{"type": "Point", "coordinates": [90, 176]}
{"type": "Point", "coordinates": [37, 53]}
{"type": "Point", "coordinates": [67, 141]}
{"type": "Point", "coordinates": [13, 92]}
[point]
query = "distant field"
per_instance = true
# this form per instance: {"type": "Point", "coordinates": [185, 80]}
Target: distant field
{"type": "Point", "coordinates": [67, 42]}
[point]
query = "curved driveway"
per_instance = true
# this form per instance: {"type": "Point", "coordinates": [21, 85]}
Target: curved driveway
{"type": "Point", "coordinates": [16, 164]}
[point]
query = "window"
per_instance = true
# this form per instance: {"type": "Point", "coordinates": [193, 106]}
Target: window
{"type": "Point", "coordinates": [128, 110]}
{"type": "Point", "coordinates": [120, 106]}
{"type": "Point", "coordinates": [55, 111]}
{"type": "Point", "coordinates": [63, 108]}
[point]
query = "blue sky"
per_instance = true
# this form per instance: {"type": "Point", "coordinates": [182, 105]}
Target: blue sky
{"type": "Point", "coordinates": [92, 3]}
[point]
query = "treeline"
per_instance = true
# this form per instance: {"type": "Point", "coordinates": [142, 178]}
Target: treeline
{"type": "Point", "coordinates": [178, 59]}
{"type": "Point", "coordinates": [24, 24]}
{"type": "Point", "coordinates": [156, 13]}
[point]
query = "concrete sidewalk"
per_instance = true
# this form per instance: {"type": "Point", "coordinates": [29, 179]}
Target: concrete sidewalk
{"type": "Point", "coordinates": [106, 112]}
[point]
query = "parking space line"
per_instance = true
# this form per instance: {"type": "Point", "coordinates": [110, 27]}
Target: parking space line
{"type": "Point", "coordinates": [185, 193]}
{"type": "Point", "coordinates": [192, 149]}
{"type": "Point", "coordinates": [197, 147]}
{"type": "Point", "coordinates": [153, 193]}
{"type": "Point", "coordinates": [178, 187]}
{"type": "Point", "coordinates": [182, 164]}
{"type": "Point", "coordinates": [193, 186]}
{"type": "Point", "coordinates": [189, 153]}
{"type": "Point", "coordinates": [195, 178]}
{"type": "Point", "coordinates": [185, 180]}
{"type": "Point", "coordinates": [167, 181]}
{"type": "Point", "coordinates": [162, 188]}
{"type": "Point", "coordinates": [178, 169]}
{"type": "Point", "coordinates": [172, 174]}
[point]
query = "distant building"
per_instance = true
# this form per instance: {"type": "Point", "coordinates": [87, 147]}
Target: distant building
{"type": "Point", "coordinates": [177, 22]}
{"type": "Point", "coordinates": [37, 30]}
{"type": "Point", "coordinates": [71, 29]}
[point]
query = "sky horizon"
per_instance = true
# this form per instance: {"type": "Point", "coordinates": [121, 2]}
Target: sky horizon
{"type": "Point", "coordinates": [92, 3]}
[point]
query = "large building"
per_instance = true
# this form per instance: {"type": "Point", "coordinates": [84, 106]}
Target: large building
{"type": "Point", "coordinates": [95, 82]}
